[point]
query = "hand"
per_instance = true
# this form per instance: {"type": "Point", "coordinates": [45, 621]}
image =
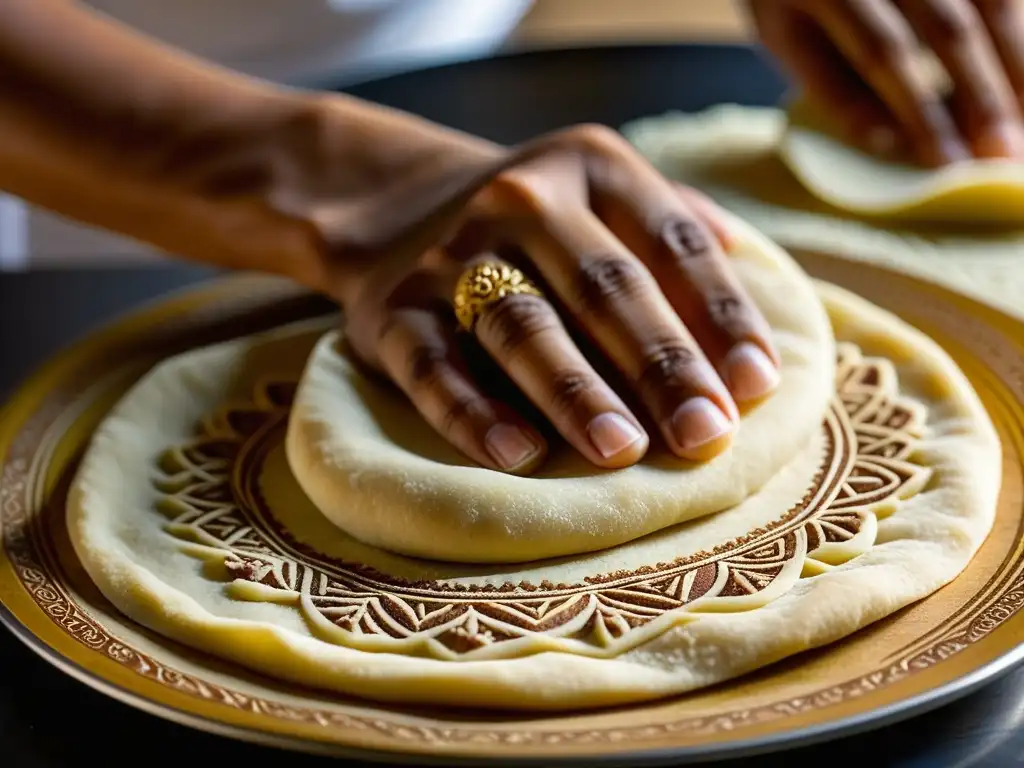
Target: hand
{"type": "Point", "coordinates": [384, 212]}
{"type": "Point", "coordinates": [625, 259]}
{"type": "Point", "coordinates": [859, 61]}
{"type": "Point", "coordinates": [353, 200]}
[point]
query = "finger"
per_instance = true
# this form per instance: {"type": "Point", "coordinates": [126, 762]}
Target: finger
{"type": "Point", "coordinates": [990, 118]}
{"type": "Point", "coordinates": [828, 82]}
{"type": "Point", "coordinates": [1004, 20]}
{"type": "Point", "coordinates": [694, 274]}
{"type": "Point", "coordinates": [709, 212]}
{"type": "Point", "coordinates": [615, 299]}
{"type": "Point", "coordinates": [524, 334]}
{"type": "Point", "coordinates": [418, 350]}
{"type": "Point", "coordinates": [879, 43]}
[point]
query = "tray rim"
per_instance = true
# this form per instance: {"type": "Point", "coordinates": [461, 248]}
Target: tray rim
{"type": "Point", "coordinates": [25, 394]}
{"type": "Point", "coordinates": [808, 736]}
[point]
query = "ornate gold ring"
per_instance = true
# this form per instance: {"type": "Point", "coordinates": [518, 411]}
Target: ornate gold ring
{"type": "Point", "coordinates": [485, 284]}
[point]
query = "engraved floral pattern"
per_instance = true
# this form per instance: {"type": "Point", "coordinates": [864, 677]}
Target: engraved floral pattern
{"type": "Point", "coordinates": [213, 495]}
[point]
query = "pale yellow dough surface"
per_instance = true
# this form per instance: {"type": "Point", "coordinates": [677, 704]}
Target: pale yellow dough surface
{"type": "Point", "coordinates": [973, 191]}
{"type": "Point", "coordinates": [121, 527]}
{"type": "Point", "coordinates": [375, 468]}
{"type": "Point", "coordinates": [734, 153]}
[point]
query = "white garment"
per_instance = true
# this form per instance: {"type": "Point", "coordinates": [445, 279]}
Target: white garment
{"type": "Point", "coordinates": [283, 40]}
{"type": "Point", "coordinates": [289, 39]}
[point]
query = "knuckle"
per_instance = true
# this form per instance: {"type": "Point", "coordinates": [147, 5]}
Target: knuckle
{"type": "Point", "coordinates": [669, 363]}
{"type": "Point", "coordinates": [602, 281]}
{"type": "Point", "coordinates": [726, 307]}
{"type": "Point", "coordinates": [428, 364]}
{"type": "Point", "coordinates": [595, 137]}
{"type": "Point", "coordinates": [568, 387]}
{"type": "Point", "coordinates": [518, 189]}
{"type": "Point", "coordinates": [517, 320]}
{"type": "Point", "coordinates": [459, 410]}
{"type": "Point", "coordinates": [686, 239]}
{"type": "Point", "coordinates": [730, 311]}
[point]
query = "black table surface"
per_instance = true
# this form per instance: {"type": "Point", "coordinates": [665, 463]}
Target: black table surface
{"type": "Point", "coordinates": [48, 719]}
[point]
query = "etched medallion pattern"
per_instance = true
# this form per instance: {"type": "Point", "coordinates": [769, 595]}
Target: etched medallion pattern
{"type": "Point", "coordinates": [213, 491]}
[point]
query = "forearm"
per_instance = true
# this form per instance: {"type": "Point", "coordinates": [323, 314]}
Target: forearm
{"type": "Point", "coordinates": [110, 128]}
{"type": "Point", "coordinates": [90, 113]}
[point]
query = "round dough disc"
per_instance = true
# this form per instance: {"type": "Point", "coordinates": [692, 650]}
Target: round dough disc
{"type": "Point", "coordinates": [973, 191]}
{"type": "Point", "coordinates": [203, 535]}
{"type": "Point", "coordinates": [375, 468]}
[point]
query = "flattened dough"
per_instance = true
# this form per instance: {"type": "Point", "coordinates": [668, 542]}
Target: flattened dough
{"type": "Point", "coordinates": [375, 468]}
{"type": "Point", "coordinates": [975, 191]}
{"type": "Point", "coordinates": [171, 534]}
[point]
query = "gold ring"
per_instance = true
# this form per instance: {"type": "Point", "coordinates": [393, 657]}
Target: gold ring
{"type": "Point", "coordinates": [485, 284]}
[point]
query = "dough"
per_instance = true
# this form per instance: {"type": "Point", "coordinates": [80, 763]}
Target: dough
{"type": "Point", "coordinates": [733, 153]}
{"type": "Point", "coordinates": [375, 468]}
{"type": "Point", "coordinates": [852, 180]}
{"type": "Point", "coordinates": [201, 534]}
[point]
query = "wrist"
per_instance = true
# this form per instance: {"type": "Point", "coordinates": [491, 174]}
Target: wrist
{"type": "Point", "coordinates": [313, 185]}
{"type": "Point", "coordinates": [217, 188]}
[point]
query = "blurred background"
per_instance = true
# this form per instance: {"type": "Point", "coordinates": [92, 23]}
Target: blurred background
{"type": "Point", "coordinates": [339, 42]}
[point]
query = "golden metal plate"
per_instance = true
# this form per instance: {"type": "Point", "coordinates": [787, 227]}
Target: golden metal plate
{"type": "Point", "coordinates": [937, 649]}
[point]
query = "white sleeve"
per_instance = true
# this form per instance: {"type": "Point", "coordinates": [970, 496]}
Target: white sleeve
{"type": "Point", "coordinates": [293, 39]}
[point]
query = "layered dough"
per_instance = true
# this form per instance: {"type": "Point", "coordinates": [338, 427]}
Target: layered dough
{"type": "Point", "coordinates": [206, 537]}
{"type": "Point", "coordinates": [974, 191]}
{"type": "Point", "coordinates": [375, 468]}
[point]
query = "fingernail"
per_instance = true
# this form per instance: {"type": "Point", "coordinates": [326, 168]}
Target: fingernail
{"type": "Point", "coordinates": [699, 421]}
{"type": "Point", "coordinates": [749, 373]}
{"type": "Point", "coordinates": [1003, 140]}
{"type": "Point", "coordinates": [611, 434]}
{"type": "Point", "coordinates": [509, 446]}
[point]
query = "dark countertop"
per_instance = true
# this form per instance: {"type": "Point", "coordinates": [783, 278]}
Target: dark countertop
{"type": "Point", "coordinates": [47, 719]}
